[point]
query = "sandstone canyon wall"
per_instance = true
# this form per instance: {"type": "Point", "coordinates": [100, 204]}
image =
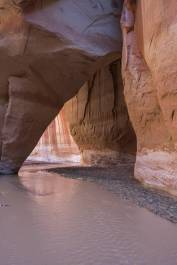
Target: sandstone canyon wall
{"type": "Point", "coordinates": [99, 120]}
{"type": "Point", "coordinates": [99, 124]}
{"type": "Point", "coordinates": [150, 76]}
{"type": "Point", "coordinates": [56, 144]}
{"type": "Point", "coordinates": [52, 51]}
{"type": "Point", "coordinates": [48, 50]}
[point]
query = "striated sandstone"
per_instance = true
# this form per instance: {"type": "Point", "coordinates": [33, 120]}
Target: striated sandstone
{"type": "Point", "coordinates": [150, 76]}
{"type": "Point", "coordinates": [56, 143]}
{"type": "Point", "coordinates": [99, 121]}
{"type": "Point", "coordinates": [48, 50]}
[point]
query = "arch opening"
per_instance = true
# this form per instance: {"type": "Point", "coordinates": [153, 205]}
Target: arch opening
{"type": "Point", "coordinates": [46, 62]}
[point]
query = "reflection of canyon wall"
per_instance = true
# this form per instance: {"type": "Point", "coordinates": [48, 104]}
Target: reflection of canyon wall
{"type": "Point", "coordinates": [56, 144]}
{"type": "Point", "coordinates": [98, 118]}
{"type": "Point", "coordinates": [150, 76]}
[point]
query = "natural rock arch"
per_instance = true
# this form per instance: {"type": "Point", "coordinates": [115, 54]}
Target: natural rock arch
{"type": "Point", "coordinates": [46, 56]}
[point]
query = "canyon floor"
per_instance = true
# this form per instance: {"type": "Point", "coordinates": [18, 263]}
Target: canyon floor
{"type": "Point", "coordinates": [67, 214]}
{"type": "Point", "coordinates": [120, 181]}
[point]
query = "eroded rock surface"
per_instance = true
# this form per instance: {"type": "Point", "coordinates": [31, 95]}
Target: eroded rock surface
{"type": "Point", "coordinates": [99, 121]}
{"type": "Point", "coordinates": [51, 49]}
{"type": "Point", "coordinates": [56, 144]}
{"type": "Point", "coordinates": [150, 76]}
{"type": "Point", "coordinates": [48, 50]}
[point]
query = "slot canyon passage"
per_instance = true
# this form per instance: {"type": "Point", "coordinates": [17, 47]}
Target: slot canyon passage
{"type": "Point", "coordinates": [88, 132]}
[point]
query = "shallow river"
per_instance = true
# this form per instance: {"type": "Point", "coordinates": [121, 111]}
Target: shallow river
{"type": "Point", "coordinates": [46, 219]}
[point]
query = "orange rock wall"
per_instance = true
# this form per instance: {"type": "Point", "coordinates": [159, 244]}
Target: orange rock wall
{"type": "Point", "coordinates": [99, 120]}
{"type": "Point", "coordinates": [49, 51]}
{"type": "Point", "coordinates": [46, 56]}
{"type": "Point", "coordinates": [56, 144]}
{"type": "Point", "coordinates": [150, 75]}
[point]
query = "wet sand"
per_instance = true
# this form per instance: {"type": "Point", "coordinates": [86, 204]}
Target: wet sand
{"type": "Point", "coordinates": [49, 219]}
{"type": "Point", "coordinates": [120, 181]}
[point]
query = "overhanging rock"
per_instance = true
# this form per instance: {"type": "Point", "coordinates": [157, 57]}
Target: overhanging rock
{"type": "Point", "coordinates": [48, 50]}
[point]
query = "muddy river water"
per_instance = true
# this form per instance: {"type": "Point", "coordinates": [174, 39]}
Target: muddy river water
{"type": "Point", "coordinates": [46, 219]}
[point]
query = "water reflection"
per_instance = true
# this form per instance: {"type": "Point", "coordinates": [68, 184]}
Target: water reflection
{"type": "Point", "coordinates": [42, 183]}
{"type": "Point", "coordinates": [53, 220]}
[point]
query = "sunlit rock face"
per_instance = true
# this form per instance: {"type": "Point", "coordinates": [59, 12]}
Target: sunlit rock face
{"type": "Point", "coordinates": [48, 50]}
{"type": "Point", "coordinates": [99, 121]}
{"type": "Point", "coordinates": [150, 75]}
{"type": "Point", "coordinates": [56, 144]}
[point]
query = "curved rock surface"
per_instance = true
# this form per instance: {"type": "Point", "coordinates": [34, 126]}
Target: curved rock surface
{"type": "Point", "coordinates": [56, 144]}
{"type": "Point", "coordinates": [48, 50]}
{"type": "Point", "coordinates": [150, 76]}
{"type": "Point", "coordinates": [51, 49]}
{"type": "Point", "coordinates": [99, 121]}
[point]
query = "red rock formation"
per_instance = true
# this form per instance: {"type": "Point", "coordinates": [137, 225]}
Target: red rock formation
{"type": "Point", "coordinates": [150, 76]}
{"type": "Point", "coordinates": [46, 56]}
{"type": "Point", "coordinates": [56, 144]}
{"type": "Point", "coordinates": [49, 51]}
{"type": "Point", "coordinates": [99, 121]}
